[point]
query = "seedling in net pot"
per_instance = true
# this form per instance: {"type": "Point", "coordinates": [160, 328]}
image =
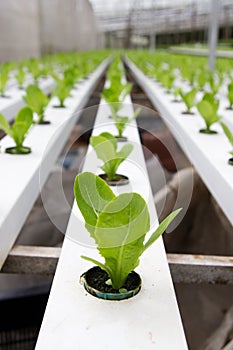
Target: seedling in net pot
{"type": "Point", "coordinates": [105, 146]}
{"type": "Point", "coordinates": [122, 121]}
{"type": "Point", "coordinates": [18, 130]}
{"type": "Point", "coordinates": [62, 91]}
{"type": "Point", "coordinates": [20, 76]}
{"type": "Point", "coordinates": [116, 94]}
{"type": "Point", "coordinates": [176, 94]}
{"type": "Point", "coordinates": [119, 225]}
{"type": "Point", "coordinates": [37, 101]}
{"type": "Point", "coordinates": [189, 99]}
{"type": "Point", "coordinates": [208, 109]}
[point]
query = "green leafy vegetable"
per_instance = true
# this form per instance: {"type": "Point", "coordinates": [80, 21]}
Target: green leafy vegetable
{"type": "Point", "coordinates": [62, 91]}
{"type": "Point", "coordinates": [105, 146]}
{"type": "Point", "coordinates": [118, 224]}
{"type": "Point", "coordinates": [19, 129]}
{"type": "Point", "coordinates": [167, 79]}
{"type": "Point", "coordinates": [36, 100]}
{"type": "Point", "coordinates": [228, 134]}
{"type": "Point", "coordinates": [4, 76]}
{"type": "Point", "coordinates": [20, 76]}
{"type": "Point", "coordinates": [215, 83]}
{"type": "Point", "coordinates": [208, 108]}
{"type": "Point", "coordinates": [122, 121]}
{"type": "Point", "coordinates": [230, 95]}
{"type": "Point", "coordinates": [115, 94]}
{"type": "Point", "coordinates": [201, 79]}
{"type": "Point", "coordinates": [176, 94]}
{"type": "Point", "coordinates": [35, 69]}
{"type": "Point", "coordinates": [189, 99]}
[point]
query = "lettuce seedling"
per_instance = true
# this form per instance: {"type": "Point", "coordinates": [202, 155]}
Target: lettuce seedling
{"type": "Point", "coordinates": [18, 130]}
{"type": "Point", "coordinates": [176, 93]}
{"type": "Point", "coordinates": [167, 79]}
{"type": "Point", "coordinates": [20, 76]}
{"type": "Point", "coordinates": [37, 101]}
{"type": "Point", "coordinates": [214, 84]}
{"type": "Point", "coordinates": [228, 134]}
{"type": "Point", "coordinates": [201, 80]}
{"type": "Point", "coordinates": [230, 95]}
{"type": "Point", "coordinates": [4, 76]}
{"type": "Point", "coordinates": [115, 95]}
{"type": "Point", "coordinates": [105, 146]}
{"type": "Point", "coordinates": [189, 99]}
{"type": "Point", "coordinates": [208, 108]}
{"type": "Point", "coordinates": [62, 91]}
{"type": "Point", "coordinates": [34, 68]}
{"type": "Point", "coordinates": [118, 224]}
{"type": "Point", "coordinates": [122, 121]}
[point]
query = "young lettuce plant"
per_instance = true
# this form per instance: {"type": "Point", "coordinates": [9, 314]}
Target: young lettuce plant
{"type": "Point", "coordinates": [37, 101]}
{"type": "Point", "coordinates": [208, 109]}
{"type": "Point", "coordinates": [230, 95]}
{"type": "Point", "coordinates": [105, 146]}
{"type": "Point", "coordinates": [229, 135]}
{"type": "Point", "coordinates": [18, 130]}
{"type": "Point", "coordinates": [176, 94]}
{"type": "Point", "coordinates": [118, 224]}
{"type": "Point", "coordinates": [201, 80]}
{"type": "Point", "coordinates": [122, 121]}
{"type": "Point", "coordinates": [189, 99]}
{"type": "Point", "coordinates": [20, 76]}
{"type": "Point", "coordinates": [167, 80]}
{"type": "Point", "coordinates": [215, 83]}
{"type": "Point", "coordinates": [115, 94]}
{"type": "Point", "coordinates": [4, 76]}
{"type": "Point", "coordinates": [35, 69]}
{"type": "Point", "coordinates": [62, 91]}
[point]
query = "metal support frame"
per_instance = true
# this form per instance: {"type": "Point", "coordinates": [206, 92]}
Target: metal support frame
{"type": "Point", "coordinates": [213, 32]}
{"type": "Point", "coordinates": [185, 268]}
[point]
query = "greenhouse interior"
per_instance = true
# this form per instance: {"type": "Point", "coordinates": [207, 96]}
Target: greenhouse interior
{"type": "Point", "coordinates": [116, 174]}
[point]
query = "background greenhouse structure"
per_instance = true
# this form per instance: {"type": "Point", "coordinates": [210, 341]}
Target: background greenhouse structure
{"type": "Point", "coordinates": [113, 116]}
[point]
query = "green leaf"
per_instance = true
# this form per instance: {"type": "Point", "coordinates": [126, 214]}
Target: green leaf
{"type": "Point", "coordinates": [125, 152]}
{"type": "Point", "coordinates": [228, 134]}
{"type": "Point", "coordinates": [62, 91]}
{"type": "Point", "coordinates": [19, 131]}
{"type": "Point", "coordinates": [4, 125]}
{"type": "Point", "coordinates": [210, 97]}
{"type": "Point", "coordinates": [126, 90]}
{"type": "Point", "coordinates": [105, 146]}
{"type": "Point", "coordinates": [92, 194]}
{"type": "Point", "coordinates": [230, 93]}
{"type": "Point", "coordinates": [189, 98]}
{"type": "Point", "coordinates": [110, 137]}
{"type": "Point", "coordinates": [20, 76]}
{"type": "Point", "coordinates": [96, 262]}
{"type": "Point", "coordinates": [161, 229]}
{"type": "Point", "coordinates": [201, 80]}
{"type": "Point", "coordinates": [208, 112]}
{"type": "Point", "coordinates": [4, 75]}
{"type": "Point", "coordinates": [36, 100]}
{"type": "Point", "coordinates": [22, 123]}
{"type": "Point", "coordinates": [120, 232]}
{"type": "Point", "coordinates": [25, 115]}
{"type": "Point", "coordinates": [120, 123]}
